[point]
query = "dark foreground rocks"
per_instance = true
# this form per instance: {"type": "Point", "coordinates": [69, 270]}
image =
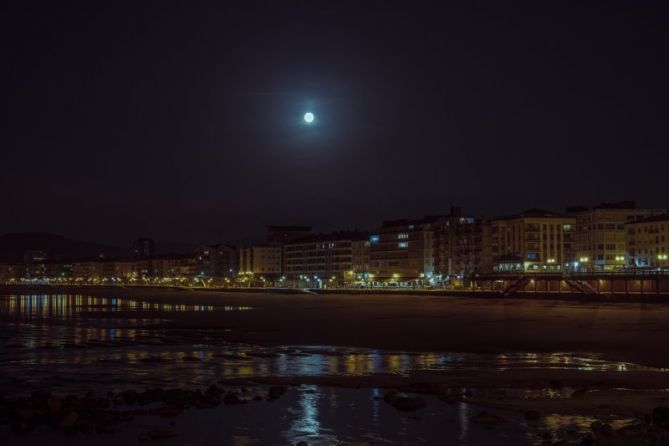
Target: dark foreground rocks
{"type": "Point", "coordinates": [102, 414]}
{"type": "Point", "coordinates": [404, 402]}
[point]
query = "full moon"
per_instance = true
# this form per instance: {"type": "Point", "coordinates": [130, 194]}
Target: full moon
{"type": "Point", "coordinates": [308, 117]}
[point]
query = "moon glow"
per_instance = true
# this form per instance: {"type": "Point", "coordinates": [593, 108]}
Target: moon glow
{"type": "Point", "coordinates": [309, 117]}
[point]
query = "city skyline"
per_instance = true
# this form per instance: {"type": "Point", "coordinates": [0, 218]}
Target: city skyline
{"type": "Point", "coordinates": [117, 125]}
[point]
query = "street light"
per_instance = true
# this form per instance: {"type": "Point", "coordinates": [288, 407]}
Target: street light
{"type": "Point", "coordinates": [585, 261]}
{"type": "Point", "coordinates": [621, 260]}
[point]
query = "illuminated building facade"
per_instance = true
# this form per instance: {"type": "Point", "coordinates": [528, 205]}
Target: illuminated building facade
{"type": "Point", "coordinates": [360, 258]}
{"type": "Point", "coordinates": [600, 234]}
{"type": "Point", "coordinates": [647, 242]}
{"type": "Point", "coordinates": [143, 247]}
{"type": "Point", "coordinates": [461, 246]}
{"type": "Point", "coordinates": [217, 261]}
{"type": "Point", "coordinates": [402, 250]}
{"type": "Point", "coordinates": [324, 256]}
{"type": "Point", "coordinates": [173, 265]}
{"type": "Point", "coordinates": [260, 260]}
{"type": "Point", "coordinates": [535, 240]}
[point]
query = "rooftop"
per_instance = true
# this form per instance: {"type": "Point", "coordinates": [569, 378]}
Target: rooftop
{"type": "Point", "coordinates": [654, 218]}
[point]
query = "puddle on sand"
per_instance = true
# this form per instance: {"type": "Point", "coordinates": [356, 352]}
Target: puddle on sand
{"type": "Point", "coordinates": [71, 344]}
{"type": "Point", "coordinates": [52, 342]}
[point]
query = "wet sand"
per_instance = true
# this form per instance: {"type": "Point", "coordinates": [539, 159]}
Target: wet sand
{"type": "Point", "coordinates": [632, 332]}
{"type": "Point", "coordinates": [567, 392]}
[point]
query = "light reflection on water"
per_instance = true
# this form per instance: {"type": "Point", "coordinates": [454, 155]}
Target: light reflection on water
{"type": "Point", "coordinates": [66, 306]}
{"type": "Point", "coordinates": [52, 341]}
{"type": "Point", "coordinates": [74, 343]}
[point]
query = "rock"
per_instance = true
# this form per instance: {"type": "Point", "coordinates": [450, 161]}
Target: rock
{"type": "Point", "coordinates": [404, 402]}
{"type": "Point", "coordinates": [129, 397]}
{"type": "Point", "coordinates": [69, 420]}
{"type": "Point", "coordinates": [169, 411]}
{"type": "Point", "coordinates": [486, 418]}
{"type": "Point", "coordinates": [86, 427]}
{"type": "Point", "coordinates": [232, 398]}
{"type": "Point", "coordinates": [54, 405]}
{"type": "Point", "coordinates": [661, 416]}
{"type": "Point", "coordinates": [21, 427]}
{"type": "Point", "coordinates": [39, 399]}
{"type": "Point", "coordinates": [174, 396]}
{"type": "Point", "coordinates": [601, 429]}
{"type": "Point", "coordinates": [161, 433]}
{"type": "Point", "coordinates": [633, 430]}
{"type": "Point", "coordinates": [532, 415]}
{"type": "Point", "coordinates": [25, 414]}
{"type": "Point", "coordinates": [276, 392]}
{"type": "Point", "coordinates": [106, 429]}
{"type": "Point", "coordinates": [214, 390]}
{"type": "Point", "coordinates": [586, 441]}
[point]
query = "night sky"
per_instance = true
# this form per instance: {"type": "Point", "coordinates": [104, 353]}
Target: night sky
{"type": "Point", "coordinates": [185, 122]}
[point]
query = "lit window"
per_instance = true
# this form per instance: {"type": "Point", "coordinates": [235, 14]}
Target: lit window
{"type": "Point", "coordinates": [403, 245]}
{"type": "Point", "coordinates": [374, 239]}
{"type": "Point", "coordinates": [402, 236]}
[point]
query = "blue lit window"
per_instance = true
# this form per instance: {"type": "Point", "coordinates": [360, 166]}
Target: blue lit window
{"type": "Point", "coordinates": [532, 256]}
{"type": "Point", "coordinates": [374, 239]}
{"type": "Point", "coordinates": [403, 245]}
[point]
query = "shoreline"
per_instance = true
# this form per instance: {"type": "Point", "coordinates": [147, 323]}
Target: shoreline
{"type": "Point", "coordinates": [543, 392]}
{"type": "Point", "coordinates": [620, 331]}
{"type": "Point", "coordinates": [603, 298]}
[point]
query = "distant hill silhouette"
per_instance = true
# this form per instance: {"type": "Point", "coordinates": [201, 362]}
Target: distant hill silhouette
{"type": "Point", "coordinates": [13, 246]}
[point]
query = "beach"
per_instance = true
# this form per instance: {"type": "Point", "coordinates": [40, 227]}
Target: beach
{"type": "Point", "coordinates": [589, 362]}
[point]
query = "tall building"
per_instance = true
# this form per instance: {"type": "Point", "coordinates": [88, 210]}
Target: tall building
{"type": "Point", "coordinates": [323, 257]}
{"type": "Point", "coordinates": [600, 234]}
{"type": "Point", "coordinates": [217, 261]}
{"type": "Point", "coordinates": [260, 260]}
{"type": "Point", "coordinates": [87, 269]}
{"type": "Point", "coordinates": [535, 240]}
{"type": "Point", "coordinates": [402, 250]}
{"type": "Point", "coordinates": [360, 258]}
{"type": "Point", "coordinates": [647, 242]}
{"type": "Point", "coordinates": [174, 265]}
{"type": "Point", "coordinates": [12, 271]}
{"type": "Point", "coordinates": [143, 247]}
{"type": "Point", "coordinates": [35, 264]}
{"type": "Point", "coordinates": [461, 246]}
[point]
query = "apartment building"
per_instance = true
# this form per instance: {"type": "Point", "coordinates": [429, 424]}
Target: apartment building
{"type": "Point", "coordinates": [325, 256]}
{"type": "Point", "coordinates": [600, 236]}
{"type": "Point", "coordinates": [461, 246]}
{"type": "Point", "coordinates": [261, 260]}
{"type": "Point", "coordinates": [402, 250]}
{"type": "Point", "coordinates": [217, 261]}
{"type": "Point", "coordinates": [647, 242]}
{"type": "Point", "coordinates": [535, 240]}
